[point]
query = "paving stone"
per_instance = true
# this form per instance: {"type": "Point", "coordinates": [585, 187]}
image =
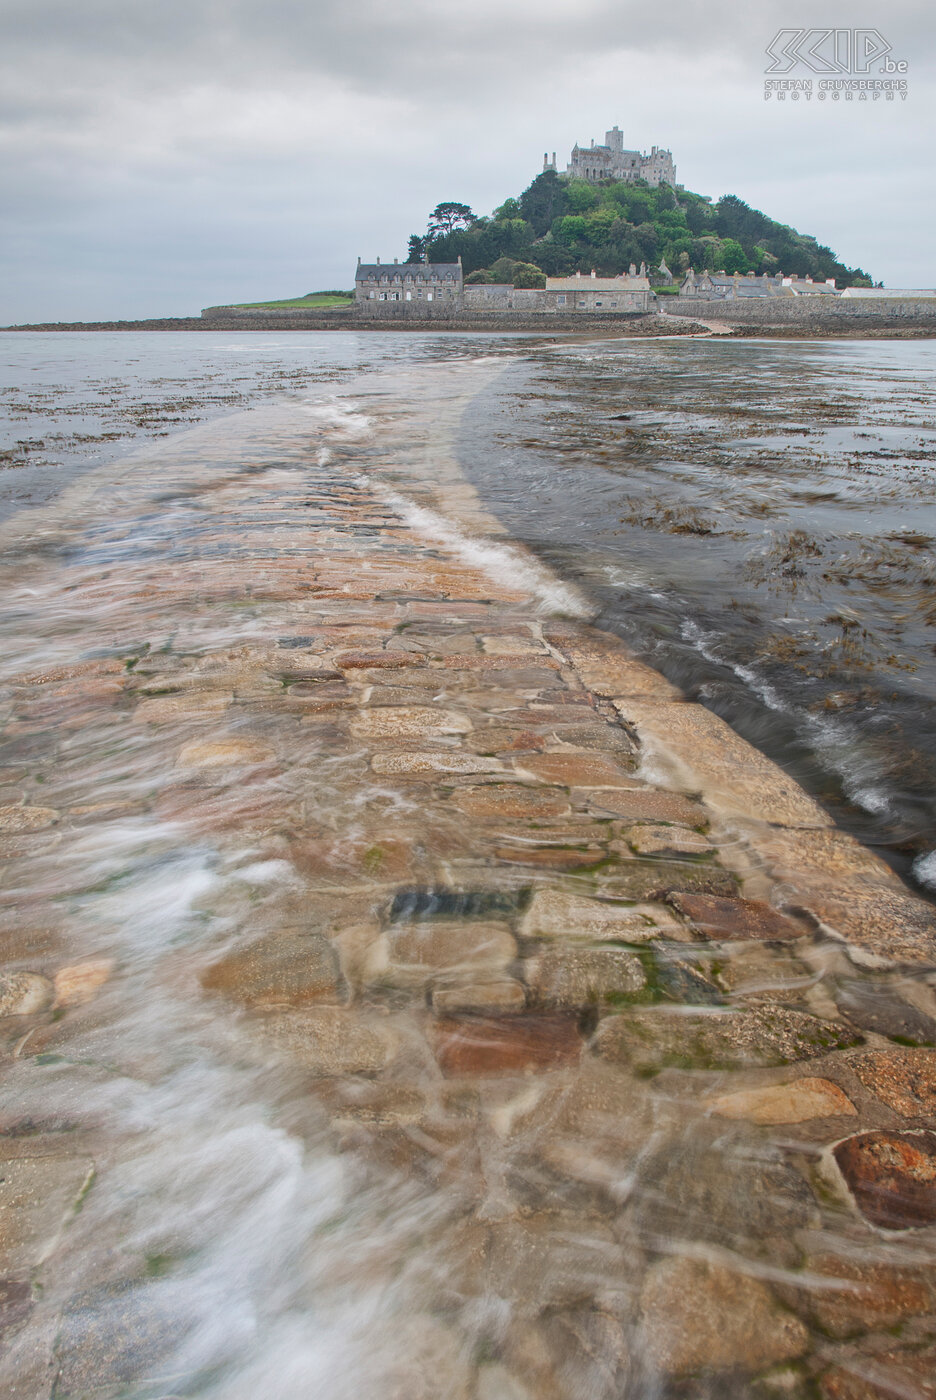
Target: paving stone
{"type": "Point", "coordinates": [550, 857]}
{"type": "Point", "coordinates": [648, 804]}
{"type": "Point", "coordinates": [585, 770]}
{"type": "Point", "coordinates": [711, 1187]}
{"type": "Point", "coordinates": [795, 1102]}
{"type": "Point", "coordinates": [80, 983]}
{"type": "Point", "coordinates": [444, 763]}
{"type": "Point", "coordinates": [904, 1079]}
{"type": "Point", "coordinates": [759, 971]}
{"type": "Point", "coordinates": [500, 739]}
{"type": "Point", "coordinates": [889, 1375]}
{"type": "Point", "coordinates": [828, 857]}
{"type": "Point", "coordinates": [170, 709]}
{"type": "Point", "coordinates": [652, 1038]}
{"type": "Point", "coordinates": [698, 1316]}
{"type": "Point", "coordinates": [555, 914]}
{"type": "Point", "coordinates": [419, 951]}
{"type": "Point", "coordinates": [443, 902]}
{"type": "Point", "coordinates": [892, 1177]}
{"type": "Point", "coordinates": [24, 993]}
{"type": "Point", "coordinates": [582, 976]}
{"type": "Point", "coordinates": [489, 994]}
{"type": "Point", "coordinates": [726, 920]}
{"type": "Point", "coordinates": [417, 1355]}
{"type": "Point", "coordinates": [511, 800]}
{"type": "Point", "coordinates": [846, 1296]}
{"type": "Point", "coordinates": [666, 840]}
{"type": "Point", "coordinates": [505, 1045]}
{"type": "Point", "coordinates": [678, 979]}
{"type": "Point", "coordinates": [722, 764]}
{"type": "Point", "coordinates": [881, 925]}
{"type": "Point", "coordinates": [875, 1006]}
{"type": "Point", "coordinates": [606, 738]}
{"type": "Point", "coordinates": [657, 878]}
{"type": "Point", "coordinates": [617, 674]}
{"type": "Point", "coordinates": [555, 1260]}
{"type": "Point", "coordinates": [37, 1196]}
{"type": "Point", "coordinates": [376, 660]}
{"type": "Point", "coordinates": [325, 1039]}
{"type": "Point", "coordinates": [408, 722]}
{"type": "Point", "coordinates": [113, 1336]}
{"type": "Point", "coordinates": [225, 753]}
{"type": "Point", "coordinates": [22, 819]}
{"type": "Point", "coordinates": [282, 968]}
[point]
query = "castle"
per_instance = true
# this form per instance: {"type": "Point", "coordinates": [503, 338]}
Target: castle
{"type": "Point", "coordinates": [612, 162]}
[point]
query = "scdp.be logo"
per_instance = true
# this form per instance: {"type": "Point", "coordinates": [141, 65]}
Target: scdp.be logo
{"type": "Point", "coordinates": [849, 63]}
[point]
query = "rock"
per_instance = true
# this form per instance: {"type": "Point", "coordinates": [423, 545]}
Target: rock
{"type": "Point", "coordinates": [419, 1358]}
{"type": "Point", "coordinates": [647, 804]}
{"type": "Point", "coordinates": [880, 925]}
{"type": "Point", "coordinates": [578, 770]}
{"type": "Point", "coordinates": [550, 857]}
{"type": "Point", "coordinates": [452, 763]}
{"type": "Point", "coordinates": [891, 1375]}
{"type": "Point", "coordinates": [556, 1260]}
{"type": "Point", "coordinates": [712, 1187]}
{"type": "Point", "coordinates": [554, 914]}
{"type": "Point", "coordinates": [617, 674]}
{"type": "Point", "coordinates": [37, 1195]}
{"type": "Point", "coordinates": [325, 1039]}
{"type": "Point", "coordinates": [17, 819]}
{"type": "Point", "coordinates": [795, 1102]}
{"type": "Point", "coordinates": [874, 1006]}
{"type": "Point", "coordinates": [680, 980]}
{"type": "Point", "coordinates": [666, 840]}
{"type": "Point", "coordinates": [716, 759]}
{"type": "Point", "coordinates": [225, 753]}
{"type": "Point", "coordinates": [576, 1352]}
{"type": "Point", "coordinates": [24, 993]}
{"type": "Point", "coordinates": [698, 1316]}
{"type": "Point", "coordinates": [763, 972]}
{"type": "Point", "coordinates": [803, 856]}
{"type": "Point", "coordinates": [603, 737]}
{"type": "Point", "coordinates": [505, 1044]}
{"type": "Point", "coordinates": [169, 708]}
{"type": "Point", "coordinates": [80, 983]}
{"type": "Point", "coordinates": [500, 739]}
{"type": "Point", "coordinates": [491, 994]}
{"type": "Point", "coordinates": [497, 1383]}
{"type": "Point", "coordinates": [408, 722]}
{"type": "Point", "coordinates": [891, 1176]}
{"type": "Point", "coordinates": [581, 976]}
{"type": "Point", "coordinates": [16, 1304]}
{"type": "Point", "coordinates": [284, 968]}
{"type": "Point", "coordinates": [650, 1038]}
{"type": "Point", "coordinates": [112, 1336]}
{"type": "Point", "coordinates": [377, 660]}
{"type": "Point", "coordinates": [511, 800]}
{"type": "Point", "coordinates": [727, 920]}
{"type": "Point", "coordinates": [845, 1296]}
{"type": "Point", "coordinates": [420, 951]}
{"type": "Point", "coordinates": [903, 1079]}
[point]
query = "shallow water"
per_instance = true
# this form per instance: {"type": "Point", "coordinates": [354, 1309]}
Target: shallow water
{"type": "Point", "coordinates": [759, 521]}
{"type": "Point", "coordinates": [183, 688]}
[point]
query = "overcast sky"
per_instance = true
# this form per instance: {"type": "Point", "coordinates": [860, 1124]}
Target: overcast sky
{"type": "Point", "coordinates": [158, 156]}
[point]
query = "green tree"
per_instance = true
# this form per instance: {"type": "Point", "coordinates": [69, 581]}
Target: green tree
{"type": "Point", "coordinates": [543, 201]}
{"type": "Point", "coordinates": [580, 196]}
{"type": "Point", "coordinates": [733, 257]}
{"type": "Point", "coordinates": [417, 248]}
{"type": "Point", "coordinates": [510, 209]}
{"type": "Point", "coordinates": [447, 217]}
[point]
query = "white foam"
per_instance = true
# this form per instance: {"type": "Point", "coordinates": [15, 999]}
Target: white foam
{"type": "Point", "coordinates": [924, 868]}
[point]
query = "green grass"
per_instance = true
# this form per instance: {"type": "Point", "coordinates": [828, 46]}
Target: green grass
{"type": "Point", "coordinates": [312, 299]}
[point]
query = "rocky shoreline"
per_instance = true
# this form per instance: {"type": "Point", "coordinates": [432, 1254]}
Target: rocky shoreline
{"type": "Point", "coordinates": [646, 1035]}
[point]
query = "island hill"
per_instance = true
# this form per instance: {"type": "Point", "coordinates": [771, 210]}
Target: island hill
{"type": "Point", "coordinates": [612, 211]}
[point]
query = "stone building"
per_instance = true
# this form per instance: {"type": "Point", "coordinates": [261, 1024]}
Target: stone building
{"type": "Point", "coordinates": [565, 296]}
{"type": "Point", "coordinates": [435, 285]}
{"type": "Point", "coordinates": [612, 162]}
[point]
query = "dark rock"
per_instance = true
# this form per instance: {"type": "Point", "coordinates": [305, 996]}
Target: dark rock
{"type": "Point", "coordinates": [873, 1006]}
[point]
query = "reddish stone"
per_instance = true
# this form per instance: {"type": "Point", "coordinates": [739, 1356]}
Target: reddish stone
{"type": "Point", "coordinates": [477, 661]}
{"type": "Point", "coordinates": [723, 920]}
{"type": "Point", "coordinates": [372, 660]}
{"type": "Point", "coordinates": [892, 1177]}
{"type": "Point", "coordinates": [650, 805]}
{"type": "Point", "coordinates": [511, 800]}
{"type": "Point", "coordinates": [505, 1044]}
{"type": "Point", "coordinates": [892, 1376]}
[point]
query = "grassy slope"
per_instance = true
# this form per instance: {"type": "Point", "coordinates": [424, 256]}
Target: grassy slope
{"type": "Point", "coordinates": [314, 299]}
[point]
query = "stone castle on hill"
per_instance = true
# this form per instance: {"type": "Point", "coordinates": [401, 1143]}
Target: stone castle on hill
{"type": "Point", "coordinates": [612, 162]}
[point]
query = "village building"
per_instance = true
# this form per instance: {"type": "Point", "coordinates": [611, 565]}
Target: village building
{"type": "Point", "coordinates": [428, 283]}
{"type": "Point", "coordinates": [612, 162]}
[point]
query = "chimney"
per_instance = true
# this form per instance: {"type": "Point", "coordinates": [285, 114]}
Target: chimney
{"type": "Point", "coordinates": [359, 260]}
{"type": "Point", "coordinates": [396, 260]}
{"type": "Point", "coordinates": [378, 262]}
{"type": "Point", "coordinates": [593, 272]}
{"type": "Point", "coordinates": [554, 159]}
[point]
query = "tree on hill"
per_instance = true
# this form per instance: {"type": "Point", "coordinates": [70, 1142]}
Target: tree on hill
{"type": "Point", "coordinates": [561, 226]}
{"type": "Point", "coordinates": [447, 217]}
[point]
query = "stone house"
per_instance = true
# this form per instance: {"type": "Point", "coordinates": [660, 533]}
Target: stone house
{"type": "Point", "coordinates": [434, 285]}
{"type": "Point", "coordinates": [720, 286]}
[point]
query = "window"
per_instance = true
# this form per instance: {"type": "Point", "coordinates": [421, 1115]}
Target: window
{"type": "Point", "coordinates": [409, 296]}
{"type": "Point", "coordinates": [560, 299]}
{"type": "Point", "coordinates": [428, 296]}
